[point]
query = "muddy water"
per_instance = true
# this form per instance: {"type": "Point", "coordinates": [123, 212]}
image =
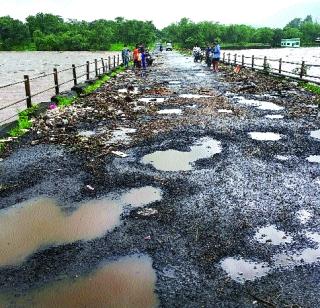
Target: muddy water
{"type": "Point", "coordinates": [262, 105]}
{"type": "Point", "coordinates": [173, 160]}
{"type": "Point", "coordinates": [128, 282]}
{"type": "Point", "coordinates": [38, 223]}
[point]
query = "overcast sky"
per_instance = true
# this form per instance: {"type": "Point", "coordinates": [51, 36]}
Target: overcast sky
{"type": "Point", "coordinates": [274, 13]}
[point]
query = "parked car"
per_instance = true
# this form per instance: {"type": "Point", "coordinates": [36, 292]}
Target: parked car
{"type": "Point", "coordinates": [169, 47]}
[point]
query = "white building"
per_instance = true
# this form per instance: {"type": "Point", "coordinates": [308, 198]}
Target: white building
{"type": "Point", "coordinates": [293, 42]}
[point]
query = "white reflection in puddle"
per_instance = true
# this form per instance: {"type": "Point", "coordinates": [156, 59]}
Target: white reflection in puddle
{"type": "Point", "coordinates": [304, 216]}
{"type": "Point", "coordinates": [241, 270]}
{"type": "Point", "coordinates": [170, 111]}
{"type": "Point", "coordinates": [121, 134]}
{"type": "Point", "coordinates": [152, 99]}
{"type": "Point", "coordinates": [174, 82]}
{"type": "Point", "coordinates": [315, 134]}
{"type": "Point", "coordinates": [86, 133]}
{"type": "Point", "coordinates": [272, 235]}
{"type": "Point", "coordinates": [224, 111]}
{"type": "Point", "coordinates": [125, 90]}
{"type": "Point", "coordinates": [173, 160]}
{"type": "Point", "coordinates": [274, 116]}
{"type": "Point", "coordinates": [194, 96]}
{"type": "Point", "coordinates": [262, 105]}
{"type": "Point", "coordinates": [282, 157]}
{"type": "Point", "coordinates": [314, 159]}
{"type": "Point", "coordinates": [265, 136]}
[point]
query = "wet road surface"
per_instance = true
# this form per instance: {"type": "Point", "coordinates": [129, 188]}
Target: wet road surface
{"type": "Point", "coordinates": [207, 198]}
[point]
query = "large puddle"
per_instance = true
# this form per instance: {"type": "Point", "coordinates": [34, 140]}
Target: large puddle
{"type": "Point", "coordinates": [271, 235]}
{"type": "Point", "coordinates": [122, 135]}
{"type": "Point", "coordinates": [128, 282]}
{"type": "Point", "coordinates": [262, 105]}
{"type": "Point", "coordinates": [39, 223]}
{"type": "Point", "coordinates": [268, 136]}
{"type": "Point", "coordinates": [274, 116]}
{"type": "Point", "coordinates": [194, 96]}
{"type": "Point", "coordinates": [173, 160]}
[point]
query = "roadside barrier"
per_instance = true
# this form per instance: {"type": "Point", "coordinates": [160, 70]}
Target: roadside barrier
{"type": "Point", "coordinates": [98, 67]}
{"type": "Point", "coordinates": [297, 70]}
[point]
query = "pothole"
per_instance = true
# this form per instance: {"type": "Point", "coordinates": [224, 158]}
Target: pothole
{"type": "Point", "coordinates": [224, 111]}
{"type": "Point", "coordinates": [262, 105]}
{"type": "Point", "coordinates": [194, 96]}
{"type": "Point", "coordinates": [271, 235]}
{"type": "Point", "coordinates": [304, 216]}
{"type": "Point", "coordinates": [127, 282]}
{"type": "Point", "coordinates": [38, 223]}
{"type": "Point", "coordinates": [265, 136]}
{"type": "Point", "coordinates": [315, 134]}
{"type": "Point", "coordinates": [314, 159]}
{"type": "Point", "coordinates": [152, 99]}
{"type": "Point", "coordinates": [274, 116]}
{"type": "Point", "coordinates": [170, 111]}
{"type": "Point", "coordinates": [242, 270]}
{"type": "Point", "coordinates": [173, 160]}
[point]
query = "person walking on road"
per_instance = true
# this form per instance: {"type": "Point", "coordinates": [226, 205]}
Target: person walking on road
{"type": "Point", "coordinates": [216, 56]}
{"type": "Point", "coordinates": [136, 58]}
{"type": "Point", "coordinates": [125, 56]}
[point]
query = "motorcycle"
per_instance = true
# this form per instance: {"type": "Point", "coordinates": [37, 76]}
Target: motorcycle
{"type": "Point", "coordinates": [197, 56]}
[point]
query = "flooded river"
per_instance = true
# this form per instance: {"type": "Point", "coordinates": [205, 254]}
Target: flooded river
{"type": "Point", "coordinates": [14, 65]}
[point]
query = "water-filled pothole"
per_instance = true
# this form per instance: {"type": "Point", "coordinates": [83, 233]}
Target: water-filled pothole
{"type": "Point", "coordinates": [38, 223]}
{"type": "Point", "coordinates": [86, 133]}
{"type": "Point", "coordinates": [152, 99]}
{"type": "Point", "coordinates": [241, 270]}
{"type": "Point", "coordinates": [174, 82]}
{"type": "Point", "coordinates": [128, 282]}
{"type": "Point", "coordinates": [265, 136]}
{"type": "Point", "coordinates": [121, 134]}
{"type": "Point", "coordinates": [274, 116]}
{"type": "Point", "coordinates": [282, 157]}
{"type": "Point", "coordinates": [314, 159]}
{"type": "Point", "coordinates": [272, 235]}
{"type": "Point", "coordinates": [173, 160]}
{"type": "Point", "coordinates": [304, 216]}
{"type": "Point", "coordinates": [262, 105]}
{"type": "Point", "coordinates": [135, 90]}
{"type": "Point", "coordinates": [170, 111]}
{"type": "Point", "coordinates": [315, 134]}
{"type": "Point", "coordinates": [224, 111]}
{"type": "Point", "coordinates": [194, 96]}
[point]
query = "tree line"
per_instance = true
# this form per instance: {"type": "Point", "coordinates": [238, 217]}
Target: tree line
{"type": "Point", "coordinates": [186, 33]}
{"type": "Point", "coordinates": [51, 32]}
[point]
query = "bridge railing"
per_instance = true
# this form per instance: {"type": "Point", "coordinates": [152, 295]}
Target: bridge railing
{"type": "Point", "coordinates": [297, 70]}
{"type": "Point", "coordinates": [24, 97]}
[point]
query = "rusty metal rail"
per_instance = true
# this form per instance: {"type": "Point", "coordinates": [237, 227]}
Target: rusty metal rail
{"type": "Point", "coordinates": [104, 65]}
{"type": "Point", "coordinates": [298, 72]}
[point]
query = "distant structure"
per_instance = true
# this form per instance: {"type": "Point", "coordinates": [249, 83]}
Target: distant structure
{"type": "Point", "coordinates": [317, 40]}
{"type": "Point", "coordinates": [293, 42]}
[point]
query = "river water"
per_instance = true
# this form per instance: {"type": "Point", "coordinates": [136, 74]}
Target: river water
{"type": "Point", "coordinates": [311, 56]}
{"type": "Point", "coordinates": [14, 65]}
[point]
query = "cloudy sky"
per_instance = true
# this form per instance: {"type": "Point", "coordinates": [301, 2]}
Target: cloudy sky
{"type": "Point", "coordinates": [274, 13]}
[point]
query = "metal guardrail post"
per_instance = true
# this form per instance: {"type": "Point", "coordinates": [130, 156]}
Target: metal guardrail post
{"type": "Point", "coordinates": [109, 62]}
{"type": "Point", "coordinates": [28, 90]}
{"type": "Point", "coordinates": [118, 60]}
{"type": "Point", "coordinates": [88, 70]}
{"type": "Point", "coordinates": [302, 70]}
{"type": "Point", "coordinates": [235, 59]}
{"type": "Point", "coordinates": [280, 65]}
{"type": "Point", "coordinates": [114, 61]}
{"type": "Point", "coordinates": [242, 60]}
{"type": "Point", "coordinates": [252, 62]}
{"type": "Point", "coordinates": [265, 63]}
{"type": "Point", "coordinates": [223, 57]}
{"type": "Point", "coordinates": [96, 66]}
{"type": "Point", "coordinates": [56, 80]}
{"type": "Point", "coordinates": [228, 58]}
{"type": "Point", "coordinates": [74, 74]}
{"type": "Point", "coordinates": [103, 67]}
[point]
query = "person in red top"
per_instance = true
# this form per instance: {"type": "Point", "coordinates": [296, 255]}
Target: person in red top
{"type": "Point", "coordinates": [136, 57]}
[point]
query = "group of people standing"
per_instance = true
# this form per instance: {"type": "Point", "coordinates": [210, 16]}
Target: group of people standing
{"type": "Point", "coordinates": [212, 56]}
{"type": "Point", "coordinates": [140, 55]}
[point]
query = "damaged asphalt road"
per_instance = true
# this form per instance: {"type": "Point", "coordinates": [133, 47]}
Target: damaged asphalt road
{"type": "Point", "coordinates": [227, 218]}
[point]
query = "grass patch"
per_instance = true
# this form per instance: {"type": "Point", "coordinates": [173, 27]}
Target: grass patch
{"type": "Point", "coordinates": [24, 122]}
{"type": "Point", "coordinates": [2, 147]}
{"type": "Point", "coordinates": [312, 88]}
{"type": "Point", "coordinates": [119, 47]}
{"type": "Point", "coordinates": [65, 101]}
